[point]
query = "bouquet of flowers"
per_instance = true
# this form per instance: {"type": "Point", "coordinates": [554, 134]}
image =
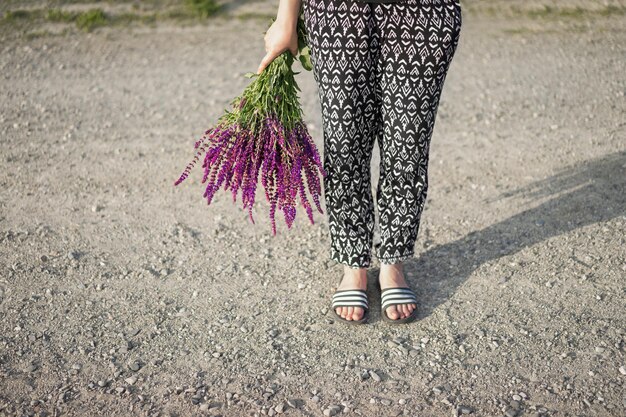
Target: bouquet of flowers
{"type": "Point", "coordinates": [264, 132]}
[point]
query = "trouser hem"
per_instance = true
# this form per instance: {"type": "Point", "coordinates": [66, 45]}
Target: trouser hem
{"type": "Point", "coordinates": [395, 259]}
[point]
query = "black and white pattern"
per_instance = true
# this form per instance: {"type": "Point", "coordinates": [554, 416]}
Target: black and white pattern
{"type": "Point", "coordinates": [350, 298]}
{"type": "Point", "coordinates": [395, 296]}
{"type": "Point", "coordinates": [380, 70]}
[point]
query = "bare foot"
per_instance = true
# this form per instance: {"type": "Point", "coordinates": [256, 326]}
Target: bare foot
{"type": "Point", "coordinates": [353, 278]}
{"type": "Point", "coordinates": [392, 276]}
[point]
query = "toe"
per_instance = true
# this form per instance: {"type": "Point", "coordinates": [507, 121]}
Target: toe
{"type": "Point", "coordinates": [392, 312]}
{"type": "Point", "coordinates": [339, 311]}
{"type": "Point", "coordinates": [349, 314]}
{"type": "Point", "coordinates": [357, 314]}
{"type": "Point", "coordinates": [405, 310]}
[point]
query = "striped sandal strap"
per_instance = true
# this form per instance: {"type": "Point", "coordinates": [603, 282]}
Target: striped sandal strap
{"type": "Point", "coordinates": [350, 298]}
{"type": "Point", "coordinates": [396, 296]}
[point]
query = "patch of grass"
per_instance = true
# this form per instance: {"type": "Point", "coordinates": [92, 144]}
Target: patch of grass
{"type": "Point", "coordinates": [91, 19]}
{"type": "Point", "coordinates": [611, 10]}
{"type": "Point", "coordinates": [16, 15]}
{"type": "Point", "coordinates": [44, 34]}
{"type": "Point", "coordinates": [203, 8]}
{"type": "Point", "coordinates": [58, 15]}
{"type": "Point", "coordinates": [574, 12]}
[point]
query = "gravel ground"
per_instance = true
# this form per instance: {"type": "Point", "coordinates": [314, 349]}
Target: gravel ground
{"type": "Point", "coordinates": [121, 294]}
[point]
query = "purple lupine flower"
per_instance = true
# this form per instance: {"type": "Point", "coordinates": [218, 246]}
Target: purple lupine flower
{"type": "Point", "coordinates": [263, 134]}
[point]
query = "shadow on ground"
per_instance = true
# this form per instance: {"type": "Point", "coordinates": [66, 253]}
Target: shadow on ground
{"type": "Point", "coordinates": [590, 192]}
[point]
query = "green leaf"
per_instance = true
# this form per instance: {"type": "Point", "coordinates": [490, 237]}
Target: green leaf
{"type": "Point", "coordinates": [305, 60]}
{"type": "Point", "coordinates": [250, 74]}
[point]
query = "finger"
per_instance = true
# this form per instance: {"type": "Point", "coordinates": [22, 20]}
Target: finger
{"type": "Point", "coordinates": [265, 62]}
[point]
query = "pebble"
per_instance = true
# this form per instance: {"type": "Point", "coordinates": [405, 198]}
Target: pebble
{"type": "Point", "coordinates": [280, 408]}
{"type": "Point", "coordinates": [622, 370]}
{"type": "Point", "coordinates": [375, 376]}
{"type": "Point", "coordinates": [134, 366]}
{"type": "Point", "coordinates": [385, 401]}
{"type": "Point", "coordinates": [102, 383]}
{"type": "Point", "coordinates": [510, 412]}
{"type": "Point", "coordinates": [464, 410]}
{"type": "Point", "coordinates": [333, 410]}
{"type": "Point", "coordinates": [131, 380]}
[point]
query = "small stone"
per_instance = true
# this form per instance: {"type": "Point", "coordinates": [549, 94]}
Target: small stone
{"type": "Point", "coordinates": [131, 380]}
{"type": "Point", "coordinates": [622, 370]}
{"type": "Point", "coordinates": [76, 366]}
{"type": "Point", "coordinates": [120, 390]}
{"type": "Point", "coordinates": [134, 366]}
{"type": "Point", "coordinates": [333, 410]}
{"type": "Point", "coordinates": [510, 412]}
{"type": "Point", "coordinates": [280, 408]}
{"type": "Point", "coordinates": [315, 399]}
{"type": "Point", "coordinates": [102, 383]}
{"type": "Point", "coordinates": [375, 376]}
{"type": "Point", "coordinates": [517, 397]}
{"type": "Point", "coordinates": [464, 410]}
{"type": "Point", "coordinates": [385, 401]}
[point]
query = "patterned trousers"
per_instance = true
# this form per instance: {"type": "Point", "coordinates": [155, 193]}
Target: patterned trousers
{"type": "Point", "coordinates": [380, 70]}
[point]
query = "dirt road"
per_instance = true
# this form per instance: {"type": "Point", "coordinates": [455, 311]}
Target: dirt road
{"type": "Point", "coordinates": [123, 295]}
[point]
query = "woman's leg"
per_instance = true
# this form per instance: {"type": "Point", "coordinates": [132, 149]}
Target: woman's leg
{"type": "Point", "coordinates": [343, 58]}
{"type": "Point", "coordinates": [343, 63]}
{"type": "Point", "coordinates": [418, 41]}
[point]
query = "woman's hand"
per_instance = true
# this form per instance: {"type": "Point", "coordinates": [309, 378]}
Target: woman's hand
{"type": "Point", "coordinates": [281, 36]}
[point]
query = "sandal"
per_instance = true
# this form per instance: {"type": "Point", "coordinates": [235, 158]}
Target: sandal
{"type": "Point", "coordinates": [351, 298]}
{"type": "Point", "coordinates": [397, 296]}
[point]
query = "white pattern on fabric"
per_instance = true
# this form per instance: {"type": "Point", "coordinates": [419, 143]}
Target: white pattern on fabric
{"type": "Point", "coordinates": [380, 69]}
